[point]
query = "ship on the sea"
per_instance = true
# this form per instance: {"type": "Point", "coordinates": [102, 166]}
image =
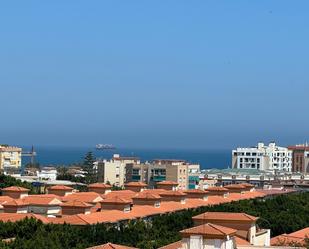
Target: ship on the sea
{"type": "Point", "coordinates": [105, 147]}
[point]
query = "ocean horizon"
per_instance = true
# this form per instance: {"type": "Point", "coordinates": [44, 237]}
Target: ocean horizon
{"type": "Point", "coordinates": [63, 156]}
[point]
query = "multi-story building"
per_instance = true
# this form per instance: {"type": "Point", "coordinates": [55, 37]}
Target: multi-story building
{"type": "Point", "coordinates": [262, 157]}
{"type": "Point", "coordinates": [176, 170]}
{"type": "Point", "coordinates": [136, 172]}
{"type": "Point", "coordinates": [10, 157]}
{"type": "Point", "coordinates": [156, 173]}
{"type": "Point", "coordinates": [300, 158]}
{"type": "Point", "coordinates": [193, 176]}
{"type": "Point", "coordinates": [114, 171]}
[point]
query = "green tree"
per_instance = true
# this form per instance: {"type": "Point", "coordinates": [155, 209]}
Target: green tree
{"type": "Point", "coordinates": [88, 166]}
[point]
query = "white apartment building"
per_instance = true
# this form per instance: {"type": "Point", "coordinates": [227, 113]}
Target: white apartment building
{"type": "Point", "coordinates": [10, 157]}
{"type": "Point", "coordinates": [263, 157]}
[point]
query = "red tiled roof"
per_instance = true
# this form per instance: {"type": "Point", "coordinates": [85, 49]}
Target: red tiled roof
{"type": "Point", "coordinates": [116, 200]}
{"type": "Point", "coordinates": [60, 187]}
{"type": "Point", "coordinates": [219, 189]}
{"type": "Point", "coordinates": [172, 183]}
{"type": "Point", "coordinates": [172, 193]}
{"type": "Point", "coordinates": [286, 240]}
{"type": "Point", "coordinates": [127, 194]}
{"type": "Point", "coordinates": [135, 184]}
{"type": "Point", "coordinates": [297, 237]}
{"type": "Point", "coordinates": [175, 245]}
{"type": "Point", "coordinates": [301, 233]}
{"type": "Point", "coordinates": [76, 203]}
{"type": "Point", "coordinates": [248, 185]}
{"type": "Point", "coordinates": [111, 246]}
{"type": "Point", "coordinates": [4, 199]}
{"type": "Point", "coordinates": [195, 191]}
{"type": "Point", "coordinates": [209, 230]}
{"type": "Point", "coordinates": [235, 186]}
{"type": "Point", "coordinates": [15, 203]}
{"type": "Point", "coordinates": [157, 191]}
{"type": "Point", "coordinates": [226, 216]}
{"type": "Point", "coordinates": [241, 242]}
{"type": "Point", "coordinates": [13, 217]}
{"type": "Point", "coordinates": [16, 189]}
{"type": "Point", "coordinates": [99, 185]}
{"type": "Point", "coordinates": [147, 195]}
{"type": "Point", "coordinates": [90, 197]}
{"type": "Point", "coordinates": [41, 200]}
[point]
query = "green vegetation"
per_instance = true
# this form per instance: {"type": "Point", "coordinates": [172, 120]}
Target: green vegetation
{"type": "Point", "coordinates": [8, 181]}
{"type": "Point", "coordinates": [282, 214]}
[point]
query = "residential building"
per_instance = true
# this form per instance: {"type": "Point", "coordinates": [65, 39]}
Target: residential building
{"type": "Point", "coordinates": [15, 206]}
{"type": "Point", "coordinates": [15, 192]}
{"type": "Point", "coordinates": [135, 186]}
{"type": "Point", "coordinates": [10, 158]}
{"type": "Point", "coordinates": [244, 224]}
{"type": "Point", "coordinates": [113, 171]}
{"type": "Point", "coordinates": [156, 173]}
{"type": "Point", "coordinates": [75, 207]}
{"type": "Point", "coordinates": [262, 157]}
{"type": "Point", "coordinates": [136, 172]}
{"type": "Point", "coordinates": [47, 173]}
{"type": "Point", "coordinates": [193, 176]}
{"type": "Point", "coordinates": [60, 190]}
{"type": "Point", "coordinates": [222, 230]}
{"type": "Point", "coordinates": [43, 204]}
{"type": "Point", "coordinates": [175, 170]}
{"type": "Point", "coordinates": [100, 188]}
{"type": "Point", "coordinates": [300, 158]}
{"type": "Point", "coordinates": [297, 238]}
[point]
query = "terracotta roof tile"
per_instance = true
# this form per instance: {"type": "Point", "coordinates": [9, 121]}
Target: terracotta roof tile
{"type": "Point", "coordinates": [195, 191]}
{"type": "Point", "coordinates": [76, 203]}
{"type": "Point", "coordinates": [16, 189]}
{"type": "Point", "coordinates": [60, 187]}
{"type": "Point", "coordinates": [127, 194]}
{"type": "Point", "coordinates": [235, 186]}
{"type": "Point", "coordinates": [301, 233]}
{"type": "Point", "coordinates": [13, 217]}
{"type": "Point", "coordinates": [116, 200]}
{"type": "Point", "coordinates": [248, 185]}
{"type": "Point", "coordinates": [99, 185]}
{"type": "Point", "coordinates": [147, 195]}
{"type": "Point", "coordinates": [292, 238]}
{"type": "Point", "coordinates": [226, 216]}
{"type": "Point", "coordinates": [175, 245]}
{"type": "Point", "coordinates": [4, 199]}
{"type": "Point", "coordinates": [173, 193]}
{"type": "Point", "coordinates": [286, 240]}
{"type": "Point", "coordinates": [209, 230]}
{"type": "Point", "coordinates": [136, 184]}
{"type": "Point", "coordinates": [41, 200]}
{"type": "Point", "coordinates": [241, 242]}
{"type": "Point", "coordinates": [219, 189]}
{"type": "Point", "coordinates": [89, 197]}
{"type": "Point", "coordinates": [111, 246]}
{"type": "Point", "coordinates": [15, 203]}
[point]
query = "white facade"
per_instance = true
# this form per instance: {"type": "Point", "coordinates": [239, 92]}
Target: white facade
{"type": "Point", "coordinates": [10, 157]}
{"type": "Point", "coordinates": [47, 174]}
{"type": "Point", "coordinates": [263, 157]}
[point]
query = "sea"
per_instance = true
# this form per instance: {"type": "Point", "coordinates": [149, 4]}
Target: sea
{"type": "Point", "coordinates": [64, 156]}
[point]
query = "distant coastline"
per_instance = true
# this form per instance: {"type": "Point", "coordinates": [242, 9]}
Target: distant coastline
{"type": "Point", "coordinates": [207, 158]}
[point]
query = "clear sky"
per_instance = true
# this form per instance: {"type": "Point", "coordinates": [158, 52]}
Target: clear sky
{"type": "Point", "coordinates": [161, 74]}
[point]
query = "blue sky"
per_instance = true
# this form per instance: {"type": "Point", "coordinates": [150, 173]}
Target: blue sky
{"type": "Point", "coordinates": [155, 74]}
